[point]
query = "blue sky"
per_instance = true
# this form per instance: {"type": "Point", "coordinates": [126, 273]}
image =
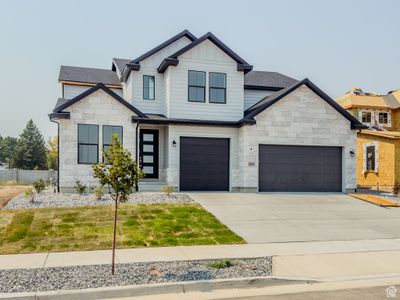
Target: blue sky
{"type": "Point", "coordinates": [336, 44]}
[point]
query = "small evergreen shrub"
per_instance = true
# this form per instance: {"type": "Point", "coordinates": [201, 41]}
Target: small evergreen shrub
{"type": "Point", "coordinates": [79, 187]}
{"type": "Point", "coordinates": [220, 264]}
{"type": "Point", "coordinates": [39, 185]}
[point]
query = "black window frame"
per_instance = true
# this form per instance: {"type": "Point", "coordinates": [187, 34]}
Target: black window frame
{"type": "Point", "coordinates": [88, 144]}
{"type": "Point", "coordinates": [370, 167]}
{"type": "Point", "coordinates": [102, 137]}
{"type": "Point", "coordinates": [154, 87]}
{"type": "Point", "coordinates": [387, 117]}
{"type": "Point", "coordinates": [197, 86]}
{"type": "Point", "coordinates": [216, 88]}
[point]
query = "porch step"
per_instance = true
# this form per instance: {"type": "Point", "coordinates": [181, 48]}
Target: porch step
{"type": "Point", "coordinates": [151, 186]}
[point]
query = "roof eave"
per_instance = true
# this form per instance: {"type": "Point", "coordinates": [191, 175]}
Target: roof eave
{"type": "Point", "coordinates": [166, 63]}
{"type": "Point", "coordinates": [263, 88]}
{"type": "Point", "coordinates": [244, 67]}
{"type": "Point", "coordinates": [59, 115]}
{"type": "Point", "coordinates": [127, 69]}
{"type": "Point", "coordinates": [216, 123]}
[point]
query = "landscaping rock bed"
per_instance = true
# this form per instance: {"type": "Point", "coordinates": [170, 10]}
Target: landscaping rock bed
{"type": "Point", "coordinates": [95, 276]}
{"type": "Point", "coordinates": [50, 199]}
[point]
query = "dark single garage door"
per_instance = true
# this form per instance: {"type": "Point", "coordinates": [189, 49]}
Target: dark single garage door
{"type": "Point", "coordinates": [300, 168]}
{"type": "Point", "coordinates": [204, 164]}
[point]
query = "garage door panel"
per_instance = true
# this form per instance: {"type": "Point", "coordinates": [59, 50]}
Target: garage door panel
{"type": "Point", "coordinates": [300, 168]}
{"type": "Point", "coordinates": [204, 164]}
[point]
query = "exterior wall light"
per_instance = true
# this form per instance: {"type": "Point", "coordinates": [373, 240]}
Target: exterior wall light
{"type": "Point", "coordinates": [174, 143]}
{"type": "Point", "coordinates": [352, 154]}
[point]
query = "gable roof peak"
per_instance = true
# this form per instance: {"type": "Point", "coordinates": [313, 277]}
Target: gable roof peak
{"type": "Point", "coordinates": [64, 105]}
{"type": "Point", "coordinates": [263, 104]}
{"type": "Point", "coordinates": [173, 59]}
{"type": "Point", "coordinates": [134, 65]}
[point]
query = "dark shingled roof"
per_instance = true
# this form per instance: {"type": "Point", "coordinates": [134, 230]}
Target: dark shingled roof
{"type": "Point", "coordinates": [60, 101]}
{"type": "Point", "coordinates": [88, 75]}
{"type": "Point", "coordinates": [265, 80]}
{"type": "Point", "coordinates": [119, 64]}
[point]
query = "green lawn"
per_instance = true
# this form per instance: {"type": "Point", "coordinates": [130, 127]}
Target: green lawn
{"type": "Point", "coordinates": [90, 228]}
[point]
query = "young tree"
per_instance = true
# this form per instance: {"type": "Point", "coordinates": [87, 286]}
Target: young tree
{"type": "Point", "coordinates": [31, 152]}
{"type": "Point", "coordinates": [52, 154]}
{"type": "Point", "coordinates": [121, 173]}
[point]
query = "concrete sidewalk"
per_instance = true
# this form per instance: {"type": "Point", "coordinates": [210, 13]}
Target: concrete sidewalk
{"type": "Point", "coordinates": [57, 259]}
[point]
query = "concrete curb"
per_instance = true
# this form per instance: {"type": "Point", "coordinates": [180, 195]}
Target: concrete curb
{"type": "Point", "coordinates": [153, 289]}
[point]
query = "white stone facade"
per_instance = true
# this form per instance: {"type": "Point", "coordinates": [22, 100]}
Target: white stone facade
{"type": "Point", "coordinates": [300, 118]}
{"type": "Point", "coordinates": [99, 108]}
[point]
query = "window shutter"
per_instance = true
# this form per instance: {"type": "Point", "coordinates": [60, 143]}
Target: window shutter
{"type": "Point", "coordinates": [389, 119]}
{"type": "Point", "coordinates": [376, 156]}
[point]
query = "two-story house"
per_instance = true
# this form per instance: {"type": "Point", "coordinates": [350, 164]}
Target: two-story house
{"type": "Point", "coordinates": [378, 146]}
{"type": "Point", "coordinates": [197, 117]}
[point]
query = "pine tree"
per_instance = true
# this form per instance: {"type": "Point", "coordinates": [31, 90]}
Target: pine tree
{"type": "Point", "coordinates": [31, 152]}
{"type": "Point", "coordinates": [7, 150]}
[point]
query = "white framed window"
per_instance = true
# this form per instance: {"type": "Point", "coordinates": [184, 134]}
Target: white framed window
{"type": "Point", "coordinates": [370, 157]}
{"type": "Point", "coordinates": [384, 118]}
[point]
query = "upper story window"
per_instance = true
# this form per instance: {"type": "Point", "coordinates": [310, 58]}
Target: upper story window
{"type": "Point", "coordinates": [197, 86]}
{"type": "Point", "coordinates": [149, 87]}
{"type": "Point", "coordinates": [366, 117]}
{"type": "Point", "coordinates": [383, 118]}
{"type": "Point", "coordinates": [88, 144]}
{"type": "Point", "coordinates": [217, 87]}
{"type": "Point", "coordinates": [108, 132]}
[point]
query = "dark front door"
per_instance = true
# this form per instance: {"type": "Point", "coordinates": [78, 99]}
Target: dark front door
{"type": "Point", "coordinates": [204, 164]}
{"type": "Point", "coordinates": [300, 168]}
{"type": "Point", "coordinates": [148, 158]}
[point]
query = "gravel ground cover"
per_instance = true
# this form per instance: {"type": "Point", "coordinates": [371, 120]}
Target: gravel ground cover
{"type": "Point", "coordinates": [95, 276]}
{"type": "Point", "coordinates": [50, 199]}
{"type": "Point", "coordinates": [384, 195]}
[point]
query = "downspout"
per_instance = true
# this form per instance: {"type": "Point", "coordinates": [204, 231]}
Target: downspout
{"type": "Point", "coordinates": [137, 150]}
{"type": "Point", "coordinates": [58, 154]}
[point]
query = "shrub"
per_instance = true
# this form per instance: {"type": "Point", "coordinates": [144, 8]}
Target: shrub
{"type": "Point", "coordinates": [98, 192]}
{"type": "Point", "coordinates": [220, 264]}
{"type": "Point", "coordinates": [168, 190]}
{"type": "Point", "coordinates": [39, 185]}
{"type": "Point", "coordinates": [79, 187]}
{"type": "Point", "coordinates": [396, 188]}
{"type": "Point", "coordinates": [30, 194]}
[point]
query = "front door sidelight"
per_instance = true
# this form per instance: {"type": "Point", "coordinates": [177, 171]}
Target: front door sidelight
{"type": "Point", "coordinates": [148, 158]}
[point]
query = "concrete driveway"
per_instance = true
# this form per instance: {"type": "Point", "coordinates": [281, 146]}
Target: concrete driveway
{"type": "Point", "coordinates": [266, 218]}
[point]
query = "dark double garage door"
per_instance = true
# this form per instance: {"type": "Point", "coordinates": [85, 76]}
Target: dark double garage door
{"type": "Point", "coordinates": [300, 168]}
{"type": "Point", "coordinates": [204, 166]}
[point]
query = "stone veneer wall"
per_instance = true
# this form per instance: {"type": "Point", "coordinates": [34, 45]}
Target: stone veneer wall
{"type": "Point", "coordinates": [98, 108]}
{"type": "Point", "coordinates": [300, 118]}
